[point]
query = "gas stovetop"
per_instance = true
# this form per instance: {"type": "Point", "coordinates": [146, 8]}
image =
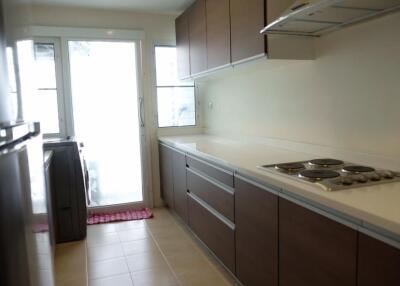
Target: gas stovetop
{"type": "Point", "coordinates": [332, 174]}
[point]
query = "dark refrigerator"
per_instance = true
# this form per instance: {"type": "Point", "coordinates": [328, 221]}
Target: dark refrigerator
{"type": "Point", "coordinates": [25, 241]}
{"type": "Point", "coordinates": [26, 257]}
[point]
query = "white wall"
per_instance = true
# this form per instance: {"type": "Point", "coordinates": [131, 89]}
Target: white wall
{"type": "Point", "coordinates": [159, 29]}
{"type": "Point", "coordinates": [349, 97]}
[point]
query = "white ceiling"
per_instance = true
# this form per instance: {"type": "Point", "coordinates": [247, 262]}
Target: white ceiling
{"type": "Point", "coordinates": [150, 6]}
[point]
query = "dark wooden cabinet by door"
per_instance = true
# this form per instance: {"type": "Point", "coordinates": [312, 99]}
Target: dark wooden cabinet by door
{"type": "Point", "coordinates": [213, 230]}
{"type": "Point", "coordinates": [217, 195]}
{"type": "Point", "coordinates": [256, 220]}
{"type": "Point", "coordinates": [166, 175]}
{"type": "Point", "coordinates": [314, 250]}
{"type": "Point", "coordinates": [218, 33]}
{"type": "Point", "coordinates": [197, 37]}
{"type": "Point", "coordinates": [248, 17]}
{"type": "Point", "coordinates": [182, 44]}
{"type": "Point", "coordinates": [179, 182]}
{"type": "Point", "coordinates": [378, 263]}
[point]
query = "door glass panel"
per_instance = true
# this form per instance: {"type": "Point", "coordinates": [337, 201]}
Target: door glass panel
{"type": "Point", "coordinates": [46, 106]}
{"type": "Point", "coordinates": [105, 104]}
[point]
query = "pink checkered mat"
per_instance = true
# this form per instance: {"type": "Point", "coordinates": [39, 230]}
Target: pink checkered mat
{"type": "Point", "coordinates": [119, 216]}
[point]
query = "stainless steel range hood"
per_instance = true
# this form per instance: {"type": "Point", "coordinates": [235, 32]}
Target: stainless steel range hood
{"type": "Point", "coordinates": [317, 17]}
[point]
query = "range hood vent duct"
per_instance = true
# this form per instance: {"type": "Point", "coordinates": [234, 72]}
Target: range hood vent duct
{"type": "Point", "coordinates": [317, 17]}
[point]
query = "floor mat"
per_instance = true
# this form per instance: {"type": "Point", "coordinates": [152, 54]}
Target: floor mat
{"type": "Point", "coordinates": [119, 216]}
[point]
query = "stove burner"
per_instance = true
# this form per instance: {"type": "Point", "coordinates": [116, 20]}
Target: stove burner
{"type": "Point", "coordinates": [358, 169]}
{"type": "Point", "coordinates": [318, 175]}
{"type": "Point", "coordinates": [326, 162]}
{"type": "Point", "coordinates": [290, 167]}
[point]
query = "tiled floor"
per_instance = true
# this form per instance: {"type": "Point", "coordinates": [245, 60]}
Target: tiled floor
{"type": "Point", "coordinates": [154, 252]}
{"type": "Point", "coordinates": [71, 264]}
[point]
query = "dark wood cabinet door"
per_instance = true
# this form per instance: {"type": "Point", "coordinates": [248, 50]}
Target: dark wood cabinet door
{"type": "Point", "coordinates": [197, 37]}
{"type": "Point", "coordinates": [378, 263]}
{"type": "Point", "coordinates": [256, 219]}
{"type": "Point", "coordinates": [218, 33]}
{"type": "Point", "coordinates": [314, 250]}
{"type": "Point", "coordinates": [217, 195]}
{"type": "Point", "coordinates": [166, 175]}
{"type": "Point", "coordinates": [182, 44]}
{"type": "Point", "coordinates": [179, 173]}
{"type": "Point", "coordinates": [247, 20]}
{"type": "Point", "coordinates": [213, 230]}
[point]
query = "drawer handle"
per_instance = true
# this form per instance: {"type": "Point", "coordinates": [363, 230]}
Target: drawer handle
{"type": "Point", "coordinates": [212, 181]}
{"type": "Point", "coordinates": [215, 213]}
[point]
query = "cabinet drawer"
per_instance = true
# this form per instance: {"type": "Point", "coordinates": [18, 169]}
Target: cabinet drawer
{"type": "Point", "coordinates": [220, 174]}
{"type": "Point", "coordinates": [216, 233]}
{"type": "Point", "coordinates": [217, 195]}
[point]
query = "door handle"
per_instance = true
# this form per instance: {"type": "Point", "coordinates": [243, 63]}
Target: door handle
{"type": "Point", "coordinates": [141, 111]}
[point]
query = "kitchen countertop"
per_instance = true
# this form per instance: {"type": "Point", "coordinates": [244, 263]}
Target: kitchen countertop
{"type": "Point", "coordinates": [375, 208]}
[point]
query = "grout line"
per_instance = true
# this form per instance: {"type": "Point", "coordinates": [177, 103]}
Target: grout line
{"type": "Point", "coordinates": [165, 259]}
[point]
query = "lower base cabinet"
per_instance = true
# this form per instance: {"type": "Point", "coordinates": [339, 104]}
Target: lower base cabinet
{"type": "Point", "coordinates": [267, 240]}
{"type": "Point", "coordinates": [314, 250]}
{"type": "Point", "coordinates": [378, 263]}
{"type": "Point", "coordinates": [213, 231]}
{"type": "Point", "coordinates": [166, 175]}
{"type": "Point", "coordinates": [179, 183]}
{"type": "Point", "coordinates": [256, 220]}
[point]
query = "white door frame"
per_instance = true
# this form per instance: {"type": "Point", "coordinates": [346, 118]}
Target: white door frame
{"type": "Point", "coordinates": [62, 123]}
{"type": "Point", "coordinates": [65, 34]}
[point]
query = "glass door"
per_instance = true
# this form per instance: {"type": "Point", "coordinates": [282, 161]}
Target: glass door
{"type": "Point", "coordinates": [105, 93]}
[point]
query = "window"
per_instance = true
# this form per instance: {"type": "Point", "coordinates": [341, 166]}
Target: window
{"type": "Point", "coordinates": [47, 109]}
{"type": "Point", "coordinates": [176, 104]}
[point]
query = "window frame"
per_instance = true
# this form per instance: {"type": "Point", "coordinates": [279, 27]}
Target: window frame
{"type": "Point", "coordinates": [62, 127]}
{"type": "Point", "coordinates": [196, 119]}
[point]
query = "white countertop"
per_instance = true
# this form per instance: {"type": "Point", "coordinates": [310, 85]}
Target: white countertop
{"type": "Point", "coordinates": [377, 205]}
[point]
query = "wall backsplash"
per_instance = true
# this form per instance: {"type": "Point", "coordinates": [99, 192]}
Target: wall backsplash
{"type": "Point", "coordinates": [348, 98]}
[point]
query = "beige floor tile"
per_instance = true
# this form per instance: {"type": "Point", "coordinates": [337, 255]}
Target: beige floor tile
{"type": "Point", "coordinates": [139, 246]}
{"type": "Point", "coordinates": [101, 228]}
{"type": "Point", "coordinates": [72, 280]}
{"type": "Point", "coordinates": [133, 234]}
{"type": "Point", "coordinates": [188, 262]}
{"type": "Point", "coordinates": [70, 257]}
{"type": "Point", "coordinates": [119, 280]}
{"type": "Point", "coordinates": [144, 261]}
{"type": "Point", "coordinates": [126, 225]}
{"type": "Point", "coordinates": [160, 276]}
{"type": "Point", "coordinates": [107, 268]}
{"type": "Point", "coordinates": [172, 245]}
{"type": "Point", "coordinates": [201, 277]}
{"type": "Point", "coordinates": [161, 216]}
{"type": "Point", "coordinates": [166, 230]}
{"type": "Point", "coordinates": [104, 252]}
{"type": "Point", "coordinates": [102, 239]}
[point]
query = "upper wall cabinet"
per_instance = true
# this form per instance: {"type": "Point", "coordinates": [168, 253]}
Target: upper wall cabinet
{"type": "Point", "coordinates": [182, 43]}
{"type": "Point", "coordinates": [215, 33]}
{"type": "Point", "coordinates": [218, 33]}
{"type": "Point", "coordinates": [247, 19]}
{"type": "Point", "coordinates": [198, 37]}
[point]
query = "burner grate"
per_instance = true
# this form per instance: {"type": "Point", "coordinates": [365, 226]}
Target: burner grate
{"type": "Point", "coordinates": [290, 167]}
{"type": "Point", "coordinates": [358, 169]}
{"type": "Point", "coordinates": [318, 175]}
{"type": "Point", "coordinates": [325, 162]}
